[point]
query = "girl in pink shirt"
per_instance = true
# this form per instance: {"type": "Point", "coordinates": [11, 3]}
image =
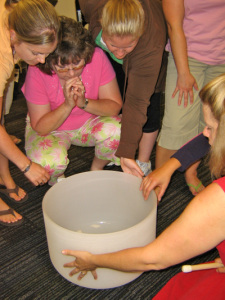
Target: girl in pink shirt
{"type": "Point", "coordinates": [73, 99]}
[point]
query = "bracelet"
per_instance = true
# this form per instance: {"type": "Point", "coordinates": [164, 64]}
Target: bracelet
{"type": "Point", "coordinates": [28, 167]}
{"type": "Point", "coordinates": [85, 103]}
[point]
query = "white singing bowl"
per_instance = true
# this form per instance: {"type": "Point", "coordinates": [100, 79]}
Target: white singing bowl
{"type": "Point", "coordinates": [99, 212]}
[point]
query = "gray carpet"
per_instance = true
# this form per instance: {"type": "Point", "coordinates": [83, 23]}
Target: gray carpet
{"type": "Point", "coordinates": [25, 268]}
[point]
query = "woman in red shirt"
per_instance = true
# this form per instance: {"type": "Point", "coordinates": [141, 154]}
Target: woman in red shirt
{"type": "Point", "coordinates": [199, 228]}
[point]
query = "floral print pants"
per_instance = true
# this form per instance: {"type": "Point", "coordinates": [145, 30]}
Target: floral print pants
{"type": "Point", "coordinates": [51, 151]}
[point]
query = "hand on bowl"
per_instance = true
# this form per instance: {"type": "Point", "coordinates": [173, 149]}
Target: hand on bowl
{"type": "Point", "coordinates": [82, 263]}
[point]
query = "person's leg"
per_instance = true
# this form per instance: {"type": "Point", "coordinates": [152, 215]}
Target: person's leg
{"type": "Point", "coordinates": [98, 164]}
{"type": "Point", "coordinates": [104, 134]}
{"type": "Point", "coordinates": [150, 132]}
{"type": "Point", "coordinates": [180, 124]}
{"type": "Point", "coordinates": [5, 176]}
{"type": "Point", "coordinates": [146, 145]}
{"type": "Point", "coordinates": [144, 151]}
{"type": "Point", "coordinates": [107, 141]}
{"type": "Point", "coordinates": [49, 151]}
{"type": "Point", "coordinates": [7, 181]}
{"type": "Point", "coordinates": [162, 155]}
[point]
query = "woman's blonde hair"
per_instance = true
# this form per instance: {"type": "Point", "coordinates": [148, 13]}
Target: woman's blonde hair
{"type": "Point", "coordinates": [213, 95]}
{"type": "Point", "coordinates": [34, 21]}
{"type": "Point", "coordinates": [123, 17]}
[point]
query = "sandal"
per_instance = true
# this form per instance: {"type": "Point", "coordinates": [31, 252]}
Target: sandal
{"type": "Point", "coordinates": [6, 193]}
{"type": "Point", "coordinates": [10, 211]}
{"type": "Point", "coordinates": [195, 187]}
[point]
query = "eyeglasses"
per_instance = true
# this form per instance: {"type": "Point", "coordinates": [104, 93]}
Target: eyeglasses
{"type": "Point", "coordinates": [65, 70]}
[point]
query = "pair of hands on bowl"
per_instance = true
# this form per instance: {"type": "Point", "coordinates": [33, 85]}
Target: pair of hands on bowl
{"type": "Point", "coordinates": [157, 180]}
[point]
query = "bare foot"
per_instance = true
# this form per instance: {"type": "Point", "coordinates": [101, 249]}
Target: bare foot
{"type": "Point", "coordinates": [98, 164]}
{"type": "Point", "coordinates": [8, 218]}
{"type": "Point", "coordinates": [195, 185]}
{"type": "Point", "coordinates": [20, 196]}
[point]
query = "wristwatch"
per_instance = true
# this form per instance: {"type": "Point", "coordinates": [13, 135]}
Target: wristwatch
{"type": "Point", "coordinates": [85, 103]}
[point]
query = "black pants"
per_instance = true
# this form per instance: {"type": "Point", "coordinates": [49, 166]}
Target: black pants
{"type": "Point", "coordinates": [153, 112]}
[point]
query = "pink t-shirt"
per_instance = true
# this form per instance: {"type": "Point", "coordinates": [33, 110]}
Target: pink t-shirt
{"type": "Point", "coordinates": [41, 89]}
{"type": "Point", "coordinates": [204, 29]}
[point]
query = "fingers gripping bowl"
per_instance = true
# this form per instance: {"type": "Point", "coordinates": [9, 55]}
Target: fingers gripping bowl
{"type": "Point", "coordinates": [99, 212]}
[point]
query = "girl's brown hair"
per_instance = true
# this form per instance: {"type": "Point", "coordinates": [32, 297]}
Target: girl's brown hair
{"type": "Point", "coordinates": [76, 44]}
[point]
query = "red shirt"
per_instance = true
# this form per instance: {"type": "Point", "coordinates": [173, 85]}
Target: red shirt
{"type": "Point", "coordinates": [199, 285]}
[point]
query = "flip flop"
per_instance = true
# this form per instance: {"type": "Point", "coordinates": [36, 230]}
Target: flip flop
{"type": "Point", "coordinates": [10, 211]}
{"type": "Point", "coordinates": [6, 193]}
{"type": "Point", "coordinates": [195, 187]}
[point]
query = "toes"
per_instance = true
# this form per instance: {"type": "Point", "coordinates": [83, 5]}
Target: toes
{"type": "Point", "coordinates": [10, 218]}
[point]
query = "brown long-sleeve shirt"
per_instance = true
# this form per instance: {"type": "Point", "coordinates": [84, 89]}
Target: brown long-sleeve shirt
{"type": "Point", "coordinates": [143, 69]}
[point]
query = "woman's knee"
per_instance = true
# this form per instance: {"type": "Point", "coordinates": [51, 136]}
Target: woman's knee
{"type": "Point", "coordinates": [49, 157]}
{"type": "Point", "coordinates": [112, 127]}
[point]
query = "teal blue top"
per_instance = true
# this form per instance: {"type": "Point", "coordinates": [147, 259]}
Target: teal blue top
{"type": "Point", "coordinates": [101, 45]}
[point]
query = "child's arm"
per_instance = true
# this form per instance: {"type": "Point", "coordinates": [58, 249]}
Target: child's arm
{"type": "Point", "coordinates": [191, 152]}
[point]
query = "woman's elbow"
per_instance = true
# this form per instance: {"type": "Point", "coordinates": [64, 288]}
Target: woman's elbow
{"type": "Point", "coordinates": [154, 262]}
{"type": "Point", "coordinates": [115, 110]}
{"type": "Point", "coordinates": [40, 131]}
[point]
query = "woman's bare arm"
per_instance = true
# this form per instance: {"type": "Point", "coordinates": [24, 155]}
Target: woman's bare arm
{"type": "Point", "coordinates": [199, 229]}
